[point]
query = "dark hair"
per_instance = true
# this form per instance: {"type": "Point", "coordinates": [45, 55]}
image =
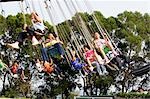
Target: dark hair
{"type": "Point", "coordinates": [86, 46]}
{"type": "Point", "coordinates": [36, 14]}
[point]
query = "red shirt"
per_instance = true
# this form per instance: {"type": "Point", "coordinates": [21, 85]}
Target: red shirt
{"type": "Point", "coordinates": [14, 69]}
{"type": "Point", "coordinates": [90, 55]}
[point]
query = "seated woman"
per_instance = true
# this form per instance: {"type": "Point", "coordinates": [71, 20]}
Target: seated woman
{"type": "Point", "coordinates": [16, 69]}
{"type": "Point", "coordinates": [37, 29]}
{"type": "Point", "coordinates": [93, 59]}
{"type": "Point", "coordinates": [104, 46]}
{"type": "Point", "coordinates": [78, 65]}
{"type": "Point", "coordinates": [38, 24]}
{"type": "Point", "coordinates": [52, 41]}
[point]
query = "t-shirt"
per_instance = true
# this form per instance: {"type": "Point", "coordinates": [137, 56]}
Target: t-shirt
{"type": "Point", "coordinates": [102, 43]}
{"type": "Point", "coordinates": [106, 49]}
{"type": "Point", "coordinates": [76, 64]}
{"type": "Point", "coordinates": [14, 69]}
{"type": "Point", "coordinates": [39, 26]}
{"type": "Point", "coordinates": [48, 68]}
{"type": "Point", "coordinates": [90, 55]}
{"type": "Point", "coordinates": [1, 65]}
{"type": "Point", "coordinates": [51, 43]}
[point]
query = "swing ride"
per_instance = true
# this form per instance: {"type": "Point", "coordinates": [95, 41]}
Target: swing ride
{"type": "Point", "coordinates": [80, 34]}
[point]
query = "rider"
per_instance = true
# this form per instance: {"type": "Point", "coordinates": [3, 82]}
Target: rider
{"type": "Point", "coordinates": [37, 23]}
{"type": "Point", "coordinates": [93, 59]}
{"type": "Point", "coordinates": [78, 65]}
{"type": "Point", "coordinates": [17, 69]}
{"type": "Point", "coordinates": [52, 41]}
{"type": "Point", "coordinates": [48, 67]}
{"type": "Point", "coordinates": [103, 46]}
{"type": "Point", "coordinates": [37, 29]}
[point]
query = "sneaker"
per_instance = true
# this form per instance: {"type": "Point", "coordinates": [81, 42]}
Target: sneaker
{"type": "Point", "coordinates": [105, 73]}
{"type": "Point", "coordinates": [62, 57]}
{"type": "Point", "coordinates": [25, 78]}
{"type": "Point", "coordinates": [14, 45]}
{"type": "Point", "coordinates": [107, 61]}
{"type": "Point", "coordinates": [115, 53]}
{"type": "Point", "coordinates": [91, 68]}
{"type": "Point", "coordinates": [34, 41]}
{"type": "Point", "coordinates": [15, 76]}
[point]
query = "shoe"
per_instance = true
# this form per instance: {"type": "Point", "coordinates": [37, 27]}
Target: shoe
{"type": "Point", "coordinates": [60, 78]}
{"type": "Point", "coordinates": [34, 41]}
{"type": "Point", "coordinates": [106, 73]}
{"type": "Point", "coordinates": [107, 61]}
{"type": "Point", "coordinates": [115, 53]}
{"type": "Point", "coordinates": [25, 78]}
{"type": "Point", "coordinates": [62, 57]}
{"type": "Point", "coordinates": [15, 76]}
{"type": "Point", "coordinates": [91, 68]}
{"type": "Point", "coordinates": [14, 45]}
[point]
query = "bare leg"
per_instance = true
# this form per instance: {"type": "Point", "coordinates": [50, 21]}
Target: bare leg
{"type": "Point", "coordinates": [110, 67]}
{"type": "Point", "coordinates": [114, 66]}
{"type": "Point", "coordinates": [22, 75]}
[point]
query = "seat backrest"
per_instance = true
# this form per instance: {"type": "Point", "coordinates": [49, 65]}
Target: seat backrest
{"type": "Point", "coordinates": [53, 52]}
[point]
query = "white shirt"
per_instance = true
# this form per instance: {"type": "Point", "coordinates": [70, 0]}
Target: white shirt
{"type": "Point", "coordinates": [38, 25]}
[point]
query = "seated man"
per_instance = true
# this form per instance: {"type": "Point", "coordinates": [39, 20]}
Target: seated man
{"type": "Point", "coordinates": [103, 46]}
{"type": "Point", "coordinates": [93, 59]}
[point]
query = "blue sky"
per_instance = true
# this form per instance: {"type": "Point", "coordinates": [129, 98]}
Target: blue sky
{"type": "Point", "coordinates": [107, 7]}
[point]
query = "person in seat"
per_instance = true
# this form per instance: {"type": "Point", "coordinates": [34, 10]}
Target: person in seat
{"type": "Point", "coordinates": [16, 69]}
{"type": "Point", "coordinates": [103, 46]}
{"type": "Point", "coordinates": [52, 41]}
{"type": "Point", "coordinates": [93, 59]}
{"type": "Point", "coordinates": [78, 65]}
{"type": "Point", "coordinates": [38, 24]}
{"type": "Point", "coordinates": [38, 28]}
{"type": "Point", "coordinates": [48, 67]}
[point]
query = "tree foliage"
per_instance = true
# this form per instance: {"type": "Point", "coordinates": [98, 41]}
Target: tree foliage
{"type": "Point", "coordinates": [128, 30]}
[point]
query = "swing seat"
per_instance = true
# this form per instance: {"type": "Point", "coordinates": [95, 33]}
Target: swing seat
{"type": "Point", "coordinates": [141, 71]}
